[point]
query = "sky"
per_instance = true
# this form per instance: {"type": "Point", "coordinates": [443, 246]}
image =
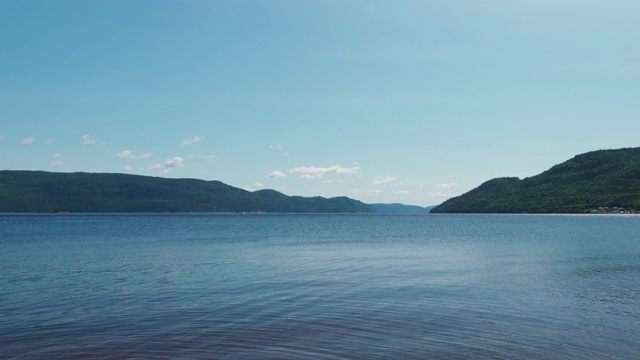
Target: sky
{"type": "Point", "coordinates": [381, 101]}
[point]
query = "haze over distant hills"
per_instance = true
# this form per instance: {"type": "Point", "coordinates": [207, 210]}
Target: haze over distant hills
{"type": "Point", "coordinates": [39, 191]}
{"type": "Point", "coordinates": [401, 209]}
{"type": "Point", "coordinates": [604, 178]}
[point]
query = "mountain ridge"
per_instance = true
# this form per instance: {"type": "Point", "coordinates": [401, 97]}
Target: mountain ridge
{"type": "Point", "coordinates": [41, 191]}
{"type": "Point", "coordinates": [602, 178]}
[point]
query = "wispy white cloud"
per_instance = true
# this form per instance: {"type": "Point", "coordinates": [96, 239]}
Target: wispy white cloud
{"type": "Point", "coordinates": [129, 154]}
{"type": "Point", "coordinates": [55, 156]}
{"type": "Point", "coordinates": [444, 185]}
{"type": "Point", "coordinates": [49, 141]}
{"type": "Point", "coordinates": [278, 148]}
{"type": "Point", "coordinates": [27, 141]}
{"type": "Point", "coordinates": [56, 163]}
{"type": "Point", "coordinates": [127, 168]}
{"type": "Point", "coordinates": [1, 138]}
{"type": "Point", "coordinates": [254, 187]}
{"type": "Point", "coordinates": [89, 140]}
{"type": "Point", "coordinates": [208, 158]}
{"type": "Point", "coordinates": [276, 174]}
{"type": "Point", "coordinates": [195, 140]}
{"type": "Point", "coordinates": [176, 161]}
{"type": "Point", "coordinates": [140, 157]}
{"type": "Point", "coordinates": [383, 180]}
{"type": "Point", "coordinates": [441, 194]}
{"type": "Point", "coordinates": [401, 192]}
{"type": "Point", "coordinates": [312, 172]}
{"type": "Point", "coordinates": [375, 191]}
{"type": "Point", "coordinates": [327, 181]}
{"type": "Point", "coordinates": [168, 165]}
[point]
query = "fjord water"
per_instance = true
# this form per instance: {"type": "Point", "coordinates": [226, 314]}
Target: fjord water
{"type": "Point", "coordinates": [190, 286]}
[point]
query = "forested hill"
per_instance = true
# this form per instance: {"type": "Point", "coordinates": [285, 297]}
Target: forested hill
{"type": "Point", "coordinates": [605, 178]}
{"type": "Point", "coordinates": [39, 191]}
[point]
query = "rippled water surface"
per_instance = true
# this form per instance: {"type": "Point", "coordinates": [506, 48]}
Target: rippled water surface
{"type": "Point", "coordinates": [317, 286]}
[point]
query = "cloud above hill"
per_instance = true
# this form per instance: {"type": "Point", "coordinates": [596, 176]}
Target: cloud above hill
{"type": "Point", "coordinates": [312, 172]}
{"type": "Point", "coordinates": [276, 174]}
{"type": "Point", "coordinates": [383, 180]}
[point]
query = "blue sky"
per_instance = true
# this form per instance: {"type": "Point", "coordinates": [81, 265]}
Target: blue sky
{"type": "Point", "coordinates": [382, 101]}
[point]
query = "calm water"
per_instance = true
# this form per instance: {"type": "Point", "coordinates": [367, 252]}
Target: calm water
{"type": "Point", "coordinates": [314, 286]}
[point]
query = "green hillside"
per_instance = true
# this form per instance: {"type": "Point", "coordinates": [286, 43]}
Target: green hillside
{"type": "Point", "coordinates": [605, 178]}
{"type": "Point", "coordinates": [39, 191]}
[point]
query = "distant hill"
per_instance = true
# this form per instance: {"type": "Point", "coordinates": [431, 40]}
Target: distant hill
{"type": "Point", "coordinates": [401, 209]}
{"type": "Point", "coordinates": [604, 178]}
{"type": "Point", "coordinates": [39, 191]}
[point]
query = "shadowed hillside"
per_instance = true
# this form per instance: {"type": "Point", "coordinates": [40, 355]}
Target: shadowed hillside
{"type": "Point", "coordinates": [39, 191]}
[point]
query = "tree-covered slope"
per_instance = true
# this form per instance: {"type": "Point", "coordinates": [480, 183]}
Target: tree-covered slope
{"type": "Point", "coordinates": [39, 191]}
{"type": "Point", "coordinates": [604, 178]}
